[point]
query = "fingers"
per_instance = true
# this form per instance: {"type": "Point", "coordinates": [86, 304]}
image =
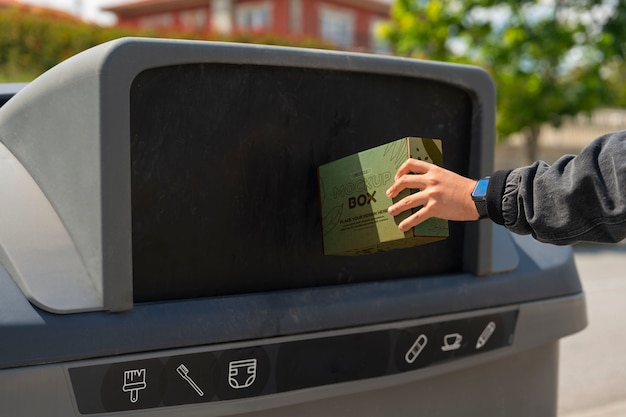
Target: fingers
{"type": "Point", "coordinates": [441, 193]}
{"type": "Point", "coordinates": [414, 219]}
{"type": "Point", "coordinates": [404, 178]}
{"type": "Point", "coordinates": [409, 202]}
{"type": "Point", "coordinates": [413, 166]}
{"type": "Point", "coordinates": [412, 182]}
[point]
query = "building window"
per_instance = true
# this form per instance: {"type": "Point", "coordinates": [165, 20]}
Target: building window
{"type": "Point", "coordinates": [295, 16]}
{"type": "Point", "coordinates": [337, 26]}
{"type": "Point", "coordinates": [254, 16]}
{"type": "Point", "coordinates": [157, 21]}
{"type": "Point", "coordinates": [194, 19]}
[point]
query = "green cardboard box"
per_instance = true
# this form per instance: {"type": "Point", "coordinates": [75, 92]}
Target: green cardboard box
{"type": "Point", "coordinates": [354, 204]}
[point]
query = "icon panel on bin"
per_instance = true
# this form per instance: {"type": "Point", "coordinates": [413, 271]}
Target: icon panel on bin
{"type": "Point", "coordinates": [232, 374]}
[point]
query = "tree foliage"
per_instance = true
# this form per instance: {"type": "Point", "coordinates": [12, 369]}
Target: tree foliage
{"type": "Point", "coordinates": [549, 59]}
{"type": "Point", "coordinates": [615, 43]}
{"type": "Point", "coordinates": [31, 43]}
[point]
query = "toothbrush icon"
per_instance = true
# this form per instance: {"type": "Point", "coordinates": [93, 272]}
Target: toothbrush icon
{"type": "Point", "coordinates": [184, 373]}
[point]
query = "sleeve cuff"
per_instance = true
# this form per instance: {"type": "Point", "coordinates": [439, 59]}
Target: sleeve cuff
{"type": "Point", "coordinates": [495, 191]}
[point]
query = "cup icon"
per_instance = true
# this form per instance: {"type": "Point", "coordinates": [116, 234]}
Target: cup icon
{"type": "Point", "coordinates": [452, 341]}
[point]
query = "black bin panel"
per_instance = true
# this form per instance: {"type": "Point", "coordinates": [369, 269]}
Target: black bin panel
{"type": "Point", "coordinates": [224, 173]}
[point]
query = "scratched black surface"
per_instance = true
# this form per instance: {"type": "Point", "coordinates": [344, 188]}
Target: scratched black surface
{"type": "Point", "coordinates": [224, 174]}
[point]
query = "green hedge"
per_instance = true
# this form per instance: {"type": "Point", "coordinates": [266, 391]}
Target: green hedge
{"type": "Point", "coordinates": [31, 43]}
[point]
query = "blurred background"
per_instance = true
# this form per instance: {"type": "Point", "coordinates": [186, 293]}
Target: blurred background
{"type": "Point", "coordinates": [558, 64]}
{"type": "Point", "coordinates": [559, 68]}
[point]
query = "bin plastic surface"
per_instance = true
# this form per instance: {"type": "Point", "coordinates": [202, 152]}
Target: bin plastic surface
{"type": "Point", "coordinates": [160, 245]}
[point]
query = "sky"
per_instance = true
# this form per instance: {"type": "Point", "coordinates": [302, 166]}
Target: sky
{"type": "Point", "coordinates": [87, 9]}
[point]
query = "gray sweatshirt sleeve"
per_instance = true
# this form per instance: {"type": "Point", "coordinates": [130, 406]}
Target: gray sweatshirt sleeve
{"type": "Point", "coordinates": [578, 198]}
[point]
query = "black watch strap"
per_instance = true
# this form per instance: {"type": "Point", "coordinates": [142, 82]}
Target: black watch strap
{"type": "Point", "coordinates": [481, 207]}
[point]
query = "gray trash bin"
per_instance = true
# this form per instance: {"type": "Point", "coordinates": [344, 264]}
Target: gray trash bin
{"type": "Point", "coordinates": [161, 249]}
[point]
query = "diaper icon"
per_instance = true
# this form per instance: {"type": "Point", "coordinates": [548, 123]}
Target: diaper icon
{"type": "Point", "coordinates": [242, 373]}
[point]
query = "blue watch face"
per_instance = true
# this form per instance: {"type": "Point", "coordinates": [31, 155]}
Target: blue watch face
{"type": "Point", "coordinates": [480, 190]}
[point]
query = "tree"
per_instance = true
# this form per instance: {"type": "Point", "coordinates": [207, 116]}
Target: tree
{"type": "Point", "coordinates": [614, 42]}
{"type": "Point", "coordinates": [547, 58]}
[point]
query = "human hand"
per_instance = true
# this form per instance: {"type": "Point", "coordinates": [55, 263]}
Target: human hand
{"type": "Point", "coordinates": [443, 194]}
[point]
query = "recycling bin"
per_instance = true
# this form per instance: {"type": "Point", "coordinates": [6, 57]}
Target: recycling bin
{"type": "Point", "coordinates": [161, 245]}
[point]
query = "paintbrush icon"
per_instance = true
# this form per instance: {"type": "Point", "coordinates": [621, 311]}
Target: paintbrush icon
{"type": "Point", "coordinates": [134, 381]}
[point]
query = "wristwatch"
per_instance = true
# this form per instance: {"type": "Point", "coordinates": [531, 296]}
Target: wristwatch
{"type": "Point", "coordinates": [479, 195]}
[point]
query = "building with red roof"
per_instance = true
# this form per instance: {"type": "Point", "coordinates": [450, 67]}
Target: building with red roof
{"type": "Point", "coordinates": [348, 24]}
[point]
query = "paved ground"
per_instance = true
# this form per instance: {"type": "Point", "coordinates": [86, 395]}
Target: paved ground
{"type": "Point", "coordinates": [593, 362]}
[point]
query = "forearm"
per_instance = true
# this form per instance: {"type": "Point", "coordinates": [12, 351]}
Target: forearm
{"type": "Point", "coordinates": [577, 198]}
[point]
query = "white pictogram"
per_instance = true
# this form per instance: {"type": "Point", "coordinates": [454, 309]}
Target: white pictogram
{"type": "Point", "coordinates": [242, 374]}
{"type": "Point", "coordinates": [451, 341]}
{"type": "Point", "coordinates": [485, 335]}
{"type": "Point", "coordinates": [184, 374]}
{"type": "Point", "coordinates": [134, 381]}
{"type": "Point", "coordinates": [416, 349]}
